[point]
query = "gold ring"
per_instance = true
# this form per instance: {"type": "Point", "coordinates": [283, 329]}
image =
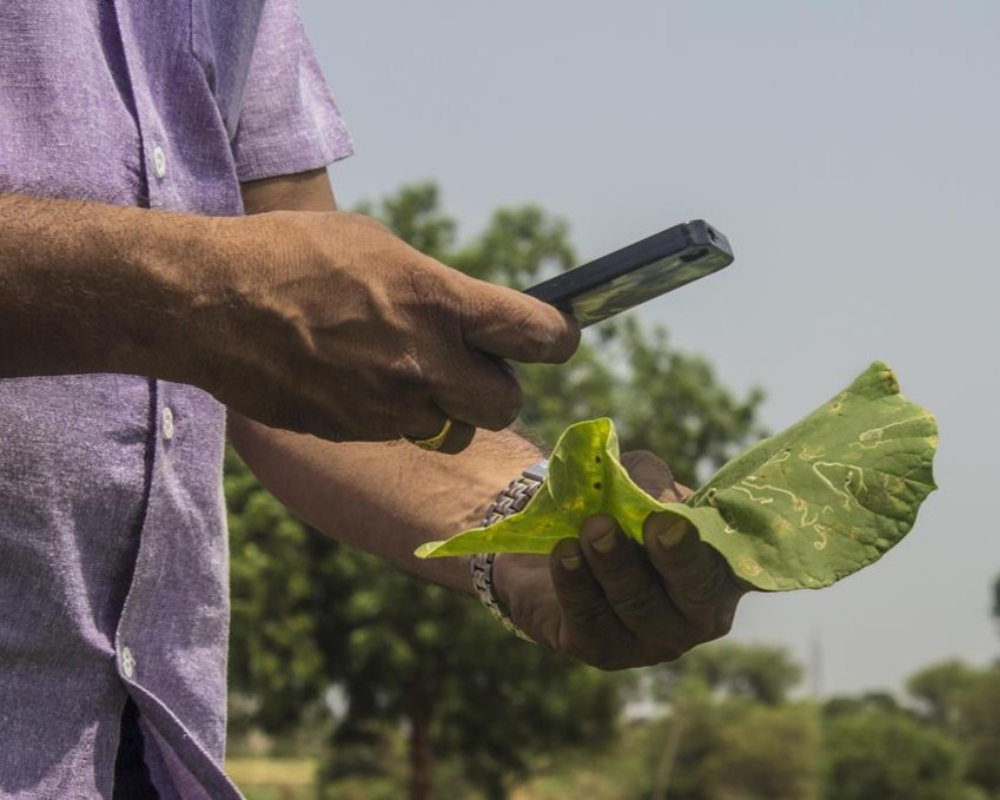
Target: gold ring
{"type": "Point", "coordinates": [435, 442]}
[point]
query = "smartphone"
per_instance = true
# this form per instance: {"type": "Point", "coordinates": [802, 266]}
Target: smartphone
{"type": "Point", "coordinates": [637, 273]}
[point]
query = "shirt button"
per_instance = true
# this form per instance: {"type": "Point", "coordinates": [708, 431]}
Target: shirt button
{"type": "Point", "coordinates": [159, 162]}
{"type": "Point", "coordinates": [128, 662]}
{"type": "Point", "coordinates": [167, 426]}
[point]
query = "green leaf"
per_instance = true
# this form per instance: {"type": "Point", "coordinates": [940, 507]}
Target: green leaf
{"type": "Point", "coordinates": [801, 509]}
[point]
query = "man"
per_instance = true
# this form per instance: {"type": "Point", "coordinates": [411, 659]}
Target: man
{"type": "Point", "coordinates": [133, 136]}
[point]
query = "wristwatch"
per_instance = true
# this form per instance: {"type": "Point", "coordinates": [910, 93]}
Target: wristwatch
{"type": "Point", "coordinates": [511, 500]}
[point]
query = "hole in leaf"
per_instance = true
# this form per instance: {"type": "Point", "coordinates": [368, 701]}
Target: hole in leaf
{"type": "Point", "coordinates": [597, 485]}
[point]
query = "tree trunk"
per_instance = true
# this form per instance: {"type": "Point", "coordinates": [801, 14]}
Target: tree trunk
{"type": "Point", "coordinates": [661, 782]}
{"type": "Point", "coordinates": [421, 715]}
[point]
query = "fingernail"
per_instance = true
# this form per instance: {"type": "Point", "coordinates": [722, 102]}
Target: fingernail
{"type": "Point", "coordinates": [606, 542]}
{"type": "Point", "coordinates": [570, 555]}
{"type": "Point", "coordinates": [571, 563]}
{"type": "Point", "coordinates": [674, 534]}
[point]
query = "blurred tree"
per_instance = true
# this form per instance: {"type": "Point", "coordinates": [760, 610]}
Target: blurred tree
{"type": "Point", "coordinates": [309, 614]}
{"type": "Point", "coordinates": [764, 752]}
{"type": "Point", "coordinates": [758, 672]}
{"type": "Point", "coordinates": [996, 600]}
{"type": "Point", "coordinates": [464, 686]}
{"type": "Point", "coordinates": [939, 690]}
{"type": "Point", "coordinates": [276, 667]}
{"type": "Point", "coordinates": [963, 701]}
{"type": "Point", "coordinates": [717, 694]}
{"type": "Point", "coordinates": [873, 754]}
{"type": "Point", "coordinates": [979, 729]}
{"type": "Point", "coordinates": [869, 701]}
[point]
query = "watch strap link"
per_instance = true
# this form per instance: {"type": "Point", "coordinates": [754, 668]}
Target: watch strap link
{"type": "Point", "coordinates": [511, 500]}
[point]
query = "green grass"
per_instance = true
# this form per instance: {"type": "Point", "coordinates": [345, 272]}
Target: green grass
{"type": "Point", "coordinates": [274, 778]}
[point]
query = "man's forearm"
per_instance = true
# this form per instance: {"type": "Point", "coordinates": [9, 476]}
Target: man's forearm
{"type": "Point", "coordinates": [84, 286]}
{"type": "Point", "coordinates": [385, 498]}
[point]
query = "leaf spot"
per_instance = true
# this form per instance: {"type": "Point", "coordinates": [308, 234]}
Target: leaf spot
{"type": "Point", "coordinates": [750, 567]}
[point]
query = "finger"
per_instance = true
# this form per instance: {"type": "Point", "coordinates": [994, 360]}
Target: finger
{"type": "Point", "coordinates": [655, 477]}
{"type": "Point", "coordinates": [481, 390]}
{"type": "Point", "coordinates": [459, 437]}
{"type": "Point", "coordinates": [696, 577]}
{"type": "Point", "coordinates": [450, 435]}
{"type": "Point", "coordinates": [509, 324]}
{"type": "Point", "coordinates": [631, 585]}
{"type": "Point", "coordinates": [589, 626]}
{"type": "Point", "coordinates": [633, 588]}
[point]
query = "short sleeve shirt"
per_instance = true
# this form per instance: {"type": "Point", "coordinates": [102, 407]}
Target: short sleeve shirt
{"type": "Point", "coordinates": [113, 549]}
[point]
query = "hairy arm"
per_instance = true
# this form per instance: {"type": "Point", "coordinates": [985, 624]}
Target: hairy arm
{"type": "Point", "coordinates": [87, 287]}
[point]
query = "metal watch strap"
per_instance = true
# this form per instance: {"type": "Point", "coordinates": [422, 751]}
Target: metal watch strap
{"type": "Point", "coordinates": [511, 500]}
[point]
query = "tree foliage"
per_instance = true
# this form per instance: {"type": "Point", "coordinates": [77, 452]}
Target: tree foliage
{"type": "Point", "coordinates": [996, 600]}
{"type": "Point", "coordinates": [731, 733]}
{"type": "Point", "coordinates": [940, 689]}
{"type": "Point", "coordinates": [763, 752]}
{"type": "Point", "coordinates": [761, 673]}
{"type": "Point", "coordinates": [979, 729]}
{"type": "Point", "coordinates": [876, 755]}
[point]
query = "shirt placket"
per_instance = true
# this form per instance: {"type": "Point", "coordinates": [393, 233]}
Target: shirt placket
{"type": "Point", "coordinates": [153, 141]}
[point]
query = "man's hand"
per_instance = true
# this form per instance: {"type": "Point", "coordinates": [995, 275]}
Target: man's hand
{"type": "Point", "coordinates": [614, 604]}
{"type": "Point", "coordinates": [320, 322]}
{"type": "Point", "coordinates": [326, 323]}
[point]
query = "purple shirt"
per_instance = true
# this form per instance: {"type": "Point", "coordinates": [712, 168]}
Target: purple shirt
{"type": "Point", "coordinates": [113, 550]}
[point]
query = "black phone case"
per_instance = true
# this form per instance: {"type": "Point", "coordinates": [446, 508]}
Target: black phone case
{"type": "Point", "coordinates": [630, 276]}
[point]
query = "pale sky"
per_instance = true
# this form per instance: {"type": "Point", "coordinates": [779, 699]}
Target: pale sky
{"type": "Point", "coordinates": [848, 151]}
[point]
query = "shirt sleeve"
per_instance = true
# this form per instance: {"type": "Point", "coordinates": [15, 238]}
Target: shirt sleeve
{"type": "Point", "coordinates": [289, 122]}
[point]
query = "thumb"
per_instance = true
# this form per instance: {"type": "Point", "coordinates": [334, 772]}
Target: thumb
{"type": "Point", "coordinates": [508, 324]}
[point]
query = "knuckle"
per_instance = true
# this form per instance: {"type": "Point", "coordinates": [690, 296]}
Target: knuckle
{"type": "Point", "coordinates": [686, 563]}
{"type": "Point", "coordinates": [611, 655]}
{"type": "Point", "coordinates": [700, 586]}
{"type": "Point", "coordinates": [673, 647]}
{"type": "Point", "coordinates": [623, 576]}
{"type": "Point", "coordinates": [704, 589]}
{"type": "Point", "coordinates": [588, 612]}
{"type": "Point", "coordinates": [406, 370]}
{"type": "Point", "coordinates": [635, 603]}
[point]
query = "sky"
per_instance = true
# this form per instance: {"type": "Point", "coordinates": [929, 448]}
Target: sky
{"type": "Point", "coordinates": [847, 149]}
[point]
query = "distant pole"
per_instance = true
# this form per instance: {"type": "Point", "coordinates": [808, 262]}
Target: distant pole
{"type": "Point", "coordinates": [817, 666]}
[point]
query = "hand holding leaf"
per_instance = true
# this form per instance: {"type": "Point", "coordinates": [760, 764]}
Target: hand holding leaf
{"type": "Point", "coordinates": [801, 509]}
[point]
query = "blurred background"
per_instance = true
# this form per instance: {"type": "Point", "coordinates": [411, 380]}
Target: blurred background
{"type": "Point", "coordinates": [848, 150]}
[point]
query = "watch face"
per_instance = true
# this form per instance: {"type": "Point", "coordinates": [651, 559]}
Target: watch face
{"type": "Point", "coordinates": [538, 471]}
